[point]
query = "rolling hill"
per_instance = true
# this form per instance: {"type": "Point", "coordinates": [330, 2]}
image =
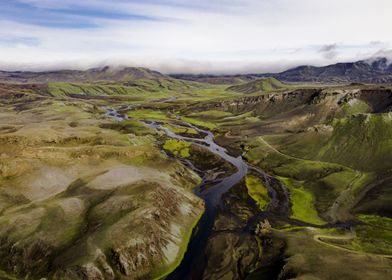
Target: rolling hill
{"type": "Point", "coordinates": [259, 85]}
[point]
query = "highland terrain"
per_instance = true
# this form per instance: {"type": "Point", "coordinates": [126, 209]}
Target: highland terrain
{"type": "Point", "coordinates": [127, 173]}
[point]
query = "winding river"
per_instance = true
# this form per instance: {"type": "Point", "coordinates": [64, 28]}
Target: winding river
{"type": "Point", "coordinates": [193, 263]}
{"type": "Point", "coordinates": [280, 202]}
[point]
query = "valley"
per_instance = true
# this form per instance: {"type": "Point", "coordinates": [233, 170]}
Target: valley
{"type": "Point", "coordinates": [131, 174]}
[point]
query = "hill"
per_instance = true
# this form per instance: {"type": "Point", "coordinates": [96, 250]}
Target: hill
{"type": "Point", "coordinates": [363, 71]}
{"type": "Point", "coordinates": [106, 73]}
{"type": "Point", "coordinates": [259, 85]}
{"type": "Point", "coordinates": [373, 71]}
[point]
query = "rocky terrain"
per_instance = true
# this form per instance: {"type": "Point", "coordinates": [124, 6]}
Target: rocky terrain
{"type": "Point", "coordinates": [81, 202]}
{"type": "Point", "coordinates": [105, 174]}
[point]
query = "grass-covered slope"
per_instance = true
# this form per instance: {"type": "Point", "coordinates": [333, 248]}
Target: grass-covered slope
{"type": "Point", "coordinates": [362, 141]}
{"type": "Point", "coordinates": [83, 197]}
{"type": "Point", "coordinates": [259, 85]}
{"type": "Point", "coordinates": [160, 88]}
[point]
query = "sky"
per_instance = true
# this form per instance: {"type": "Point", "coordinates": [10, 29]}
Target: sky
{"type": "Point", "coordinates": [189, 36]}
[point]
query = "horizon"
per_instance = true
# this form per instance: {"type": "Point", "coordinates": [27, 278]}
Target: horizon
{"type": "Point", "coordinates": [368, 60]}
{"type": "Point", "coordinates": [225, 37]}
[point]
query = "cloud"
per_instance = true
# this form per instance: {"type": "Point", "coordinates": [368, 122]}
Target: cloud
{"type": "Point", "coordinates": [329, 51]}
{"type": "Point", "coordinates": [194, 36]}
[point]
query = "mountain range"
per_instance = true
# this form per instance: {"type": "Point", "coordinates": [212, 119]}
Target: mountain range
{"type": "Point", "coordinates": [364, 71]}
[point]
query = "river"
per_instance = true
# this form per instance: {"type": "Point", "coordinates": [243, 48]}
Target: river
{"type": "Point", "coordinates": [191, 267]}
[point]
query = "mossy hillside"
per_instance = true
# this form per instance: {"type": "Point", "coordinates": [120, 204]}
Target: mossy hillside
{"type": "Point", "coordinates": [211, 114]}
{"type": "Point", "coordinates": [371, 239]}
{"type": "Point", "coordinates": [323, 179]}
{"type": "Point", "coordinates": [240, 122]}
{"type": "Point", "coordinates": [378, 221]}
{"type": "Point", "coordinates": [361, 141]}
{"type": "Point", "coordinates": [260, 85]}
{"type": "Point", "coordinates": [355, 106]}
{"type": "Point", "coordinates": [262, 155]}
{"type": "Point", "coordinates": [375, 195]}
{"type": "Point", "coordinates": [72, 151]}
{"type": "Point", "coordinates": [305, 145]}
{"type": "Point", "coordinates": [156, 87]}
{"type": "Point", "coordinates": [177, 147]}
{"type": "Point", "coordinates": [198, 122]}
{"type": "Point", "coordinates": [182, 130]}
{"type": "Point", "coordinates": [135, 93]}
{"type": "Point", "coordinates": [129, 126]}
{"type": "Point", "coordinates": [316, 260]}
{"type": "Point", "coordinates": [327, 189]}
{"type": "Point", "coordinates": [303, 208]}
{"type": "Point", "coordinates": [207, 94]}
{"type": "Point", "coordinates": [147, 114]}
{"type": "Point", "coordinates": [222, 119]}
{"type": "Point", "coordinates": [339, 180]}
{"type": "Point", "coordinates": [257, 191]}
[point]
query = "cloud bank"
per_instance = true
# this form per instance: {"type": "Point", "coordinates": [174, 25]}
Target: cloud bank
{"type": "Point", "coordinates": [173, 36]}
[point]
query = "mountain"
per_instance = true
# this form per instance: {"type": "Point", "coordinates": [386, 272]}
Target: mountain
{"type": "Point", "coordinates": [377, 71]}
{"type": "Point", "coordinates": [259, 85]}
{"type": "Point", "coordinates": [95, 74]}
{"type": "Point", "coordinates": [363, 71]}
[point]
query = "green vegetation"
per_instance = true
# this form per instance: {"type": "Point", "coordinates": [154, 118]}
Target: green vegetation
{"type": "Point", "coordinates": [378, 221]}
{"type": "Point", "coordinates": [139, 89]}
{"type": "Point", "coordinates": [257, 191]}
{"type": "Point", "coordinates": [177, 147]}
{"type": "Point", "coordinates": [148, 115]}
{"type": "Point", "coordinates": [361, 141]}
{"type": "Point", "coordinates": [181, 130]}
{"type": "Point", "coordinates": [209, 93]}
{"type": "Point", "coordinates": [260, 85]}
{"type": "Point", "coordinates": [355, 106]}
{"type": "Point", "coordinates": [326, 145]}
{"type": "Point", "coordinates": [302, 203]}
{"type": "Point", "coordinates": [339, 181]}
{"type": "Point", "coordinates": [211, 114]}
{"type": "Point", "coordinates": [371, 239]}
{"type": "Point", "coordinates": [129, 126]}
{"type": "Point", "coordinates": [201, 123]}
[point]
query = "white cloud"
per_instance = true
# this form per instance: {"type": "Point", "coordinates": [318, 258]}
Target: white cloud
{"type": "Point", "coordinates": [209, 36]}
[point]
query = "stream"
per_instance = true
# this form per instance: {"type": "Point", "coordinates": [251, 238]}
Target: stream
{"type": "Point", "coordinates": [191, 266]}
{"type": "Point", "coordinates": [212, 197]}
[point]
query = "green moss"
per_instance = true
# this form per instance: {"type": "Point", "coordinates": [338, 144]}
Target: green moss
{"type": "Point", "coordinates": [149, 115]}
{"type": "Point", "coordinates": [129, 126]}
{"type": "Point", "coordinates": [356, 106]}
{"type": "Point", "coordinates": [361, 141]}
{"type": "Point", "coordinates": [260, 85]}
{"type": "Point", "coordinates": [378, 221]}
{"type": "Point", "coordinates": [302, 203]}
{"type": "Point", "coordinates": [177, 147]}
{"type": "Point", "coordinates": [257, 191]}
{"type": "Point", "coordinates": [371, 239]}
{"type": "Point", "coordinates": [181, 130]}
{"type": "Point", "coordinates": [211, 114]}
{"type": "Point", "coordinates": [306, 169]}
{"type": "Point", "coordinates": [207, 93]}
{"type": "Point", "coordinates": [199, 122]}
